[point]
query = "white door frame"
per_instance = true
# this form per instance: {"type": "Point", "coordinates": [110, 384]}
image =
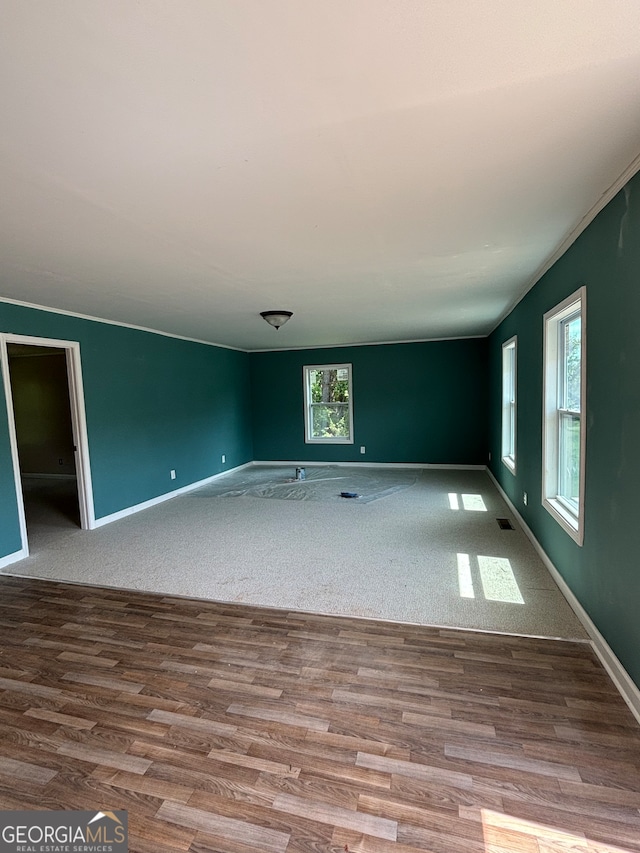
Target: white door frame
{"type": "Point", "coordinates": [78, 425]}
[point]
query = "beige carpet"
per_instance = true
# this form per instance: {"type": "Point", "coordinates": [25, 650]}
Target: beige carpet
{"type": "Point", "coordinates": [426, 550]}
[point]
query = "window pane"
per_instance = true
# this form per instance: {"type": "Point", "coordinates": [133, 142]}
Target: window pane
{"type": "Point", "coordinates": [329, 386]}
{"type": "Point", "coordinates": [509, 403]}
{"type": "Point", "coordinates": [569, 459]}
{"type": "Point", "coordinates": [330, 421]}
{"type": "Point", "coordinates": [571, 332]}
{"type": "Point", "coordinates": [512, 430]}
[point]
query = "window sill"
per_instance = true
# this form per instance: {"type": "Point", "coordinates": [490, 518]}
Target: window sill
{"type": "Point", "coordinates": [328, 441]}
{"type": "Point", "coordinates": [569, 522]}
{"type": "Point", "coordinates": [509, 463]}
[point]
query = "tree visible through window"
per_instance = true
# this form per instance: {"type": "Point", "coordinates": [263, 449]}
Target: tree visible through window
{"type": "Point", "coordinates": [328, 404]}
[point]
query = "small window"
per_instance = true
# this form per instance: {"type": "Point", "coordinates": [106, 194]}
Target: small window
{"type": "Point", "coordinates": [564, 424]}
{"type": "Point", "coordinates": [328, 402]}
{"type": "Point", "coordinates": [509, 404]}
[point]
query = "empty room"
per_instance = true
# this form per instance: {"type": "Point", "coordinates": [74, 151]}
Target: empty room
{"type": "Point", "coordinates": [320, 426]}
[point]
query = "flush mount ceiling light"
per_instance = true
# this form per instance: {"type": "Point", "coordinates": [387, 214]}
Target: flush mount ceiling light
{"type": "Point", "coordinates": [276, 318]}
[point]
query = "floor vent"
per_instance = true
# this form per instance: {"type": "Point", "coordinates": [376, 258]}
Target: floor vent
{"type": "Point", "coordinates": [505, 524]}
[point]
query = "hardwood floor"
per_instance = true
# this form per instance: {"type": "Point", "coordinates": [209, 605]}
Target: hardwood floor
{"type": "Point", "coordinates": [234, 729]}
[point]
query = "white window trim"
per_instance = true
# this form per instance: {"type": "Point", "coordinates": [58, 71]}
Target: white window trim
{"type": "Point", "coordinates": [509, 460]}
{"type": "Point", "coordinates": [306, 375]}
{"type": "Point", "coordinates": [570, 521]}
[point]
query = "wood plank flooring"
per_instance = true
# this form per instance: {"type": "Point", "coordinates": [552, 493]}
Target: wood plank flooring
{"type": "Point", "coordinates": [234, 729]}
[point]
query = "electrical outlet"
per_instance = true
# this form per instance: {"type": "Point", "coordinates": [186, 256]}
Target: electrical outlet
{"type": "Point", "coordinates": [172, 474]}
{"type": "Point", "coordinates": [362, 449]}
{"type": "Point", "coordinates": [224, 458]}
{"type": "Point", "coordinates": [525, 498]}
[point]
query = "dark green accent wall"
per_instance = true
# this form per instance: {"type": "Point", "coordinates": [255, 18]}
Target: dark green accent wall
{"type": "Point", "coordinates": [603, 573]}
{"type": "Point", "coordinates": [153, 403]}
{"type": "Point", "coordinates": [413, 403]}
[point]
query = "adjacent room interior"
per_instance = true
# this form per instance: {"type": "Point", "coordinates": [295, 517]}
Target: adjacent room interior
{"type": "Point", "coordinates": [362, 577]}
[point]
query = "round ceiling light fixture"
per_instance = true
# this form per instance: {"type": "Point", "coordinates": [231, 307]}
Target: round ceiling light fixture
{"type": "Point", "coordinates": [276, 318]}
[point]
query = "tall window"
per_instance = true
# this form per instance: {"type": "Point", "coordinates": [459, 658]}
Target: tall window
{"type": "Point", "coordinates": [328, 404]}
{"type": "Point", "coordinates": [564, 423]}
{"type": "Point", "coordinates": [509, 404]}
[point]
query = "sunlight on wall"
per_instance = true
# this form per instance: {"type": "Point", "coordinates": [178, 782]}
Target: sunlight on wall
{"type": "Point", "coordinates": [496, 575]}
{"type": "Point", "coordinates": [498, 580]}
{"type": "Point", "coordinates": [504, 832]}
{"type": "Point", "coordinates": [472, 503]}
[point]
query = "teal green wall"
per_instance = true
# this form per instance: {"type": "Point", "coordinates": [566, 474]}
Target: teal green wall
{"type": "Point", "coordinates": [603, 573]}
{"type": "Point", "coordinates": [153, 403]}
{"type": "Point", "coordinates": [419, 402]}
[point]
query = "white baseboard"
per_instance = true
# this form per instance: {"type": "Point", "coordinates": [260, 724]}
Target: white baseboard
{"type": "Point", "coordinates": [131, 510]}
{"type": "Point", "coordinates": [619, 675]}
{"type": "Point", "coordinates": [13, 558]}
{"type": "Point", "coordinates": [416, 465]}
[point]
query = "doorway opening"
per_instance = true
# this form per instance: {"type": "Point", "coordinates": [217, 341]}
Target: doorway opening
{"type": "Point", "coordinates": [45, 404]}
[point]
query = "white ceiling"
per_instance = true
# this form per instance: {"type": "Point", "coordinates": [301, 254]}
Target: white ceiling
{"type": "Point", "coordinates": [388, 170]}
